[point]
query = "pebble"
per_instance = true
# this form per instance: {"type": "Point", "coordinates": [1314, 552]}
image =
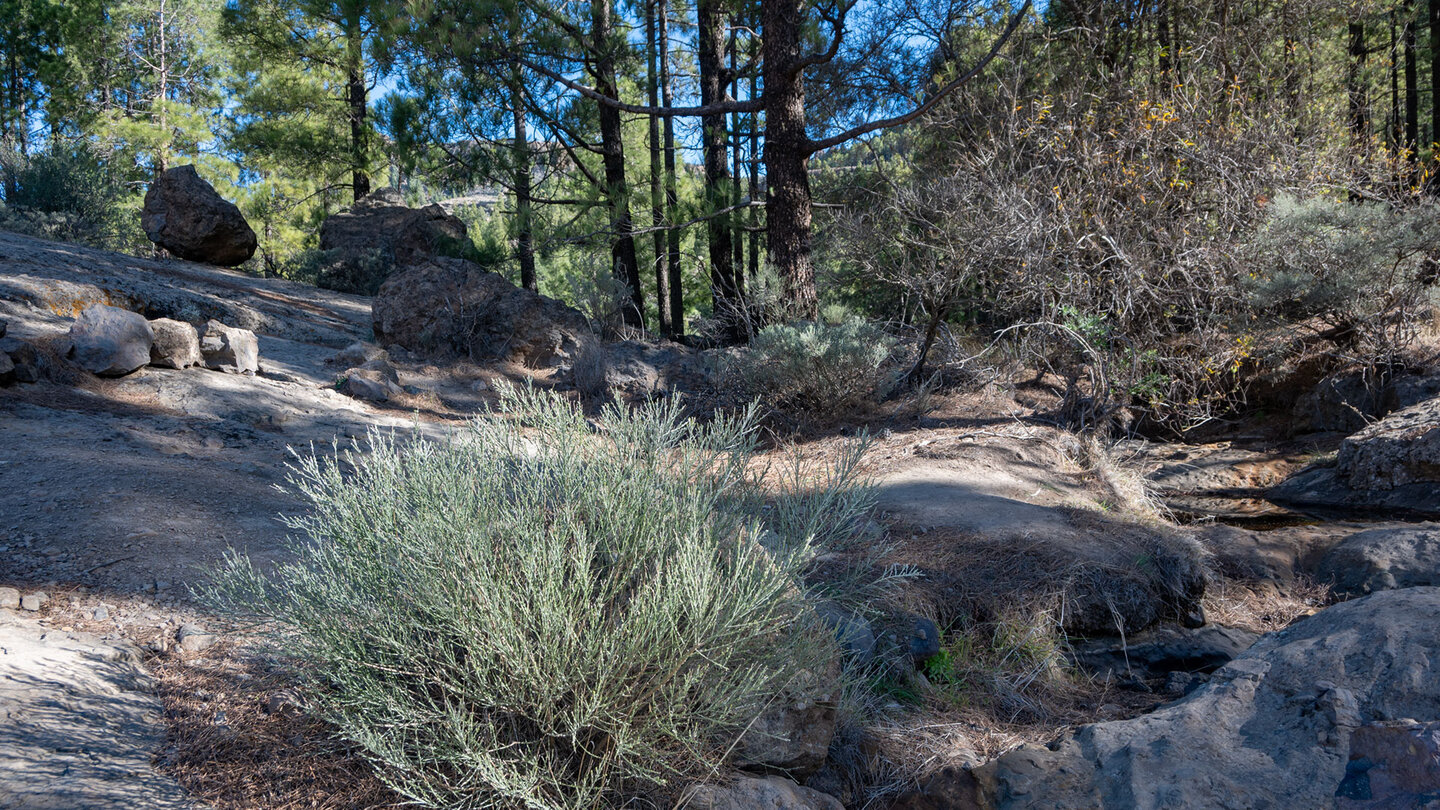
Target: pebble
{"type": "Point", "coordinates": [9, 598]}
{"type": "Point", "coordinates": [34, 601]}
{"type": "Point", "coordinates": [101, 613]}
{"type": "Point", "coordinates": [194, 638]}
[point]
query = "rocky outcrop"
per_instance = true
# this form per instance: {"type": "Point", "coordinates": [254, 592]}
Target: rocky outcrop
{"type": "Point", "coordinates": [380, 235]}
{"type": "Point", "coordinates": [184, 215]}
{"type": "Point", "coordinates": [177, 344]}
{"type": "Point", "coordinates": [1281, 726]}
{"type": "Point", "coordinates": [752, 793]}
{"type": "Point", "coordinates": [109, 341]}
{"type": "Point", "coordinates": [229, 349]}
{"type": "Point", "coordinates": [1383, 559]}
{"type": "Point", "coordinates": [1403, 448]}
{"type": "Point", "coordinates": [1393, 464]}
{"type": "Point", "coordinates": [449, 307]}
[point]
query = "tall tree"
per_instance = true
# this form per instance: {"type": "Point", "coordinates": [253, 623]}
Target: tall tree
{"type": "Point", "coordinates": [334, 45]}
{"type": "Point", "coordinates": [657, 176]}
{"type": "Point", "coordinates": [604, 51]}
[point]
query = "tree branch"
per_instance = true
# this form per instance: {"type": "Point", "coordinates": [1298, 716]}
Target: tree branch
{"type": "Point", "coordinates": [929, 104]}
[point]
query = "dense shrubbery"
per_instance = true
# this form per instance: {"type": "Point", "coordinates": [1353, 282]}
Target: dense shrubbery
{"type": "Point", "coordinates": [68, 193]}
{"type": "Point", "coordinates": [816, 367]}
{"type": "Point", "coordinates": [537, 615]}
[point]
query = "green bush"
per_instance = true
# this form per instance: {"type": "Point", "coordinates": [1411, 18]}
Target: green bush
{"type": "Point", "coordinates": [541, 614]}
{"type": "Point", "coordinates": [69, 193]}
{"type": "Point", "coordinates": [1362, 269]}
{"type": "Point", "coordinates": [815, 367]}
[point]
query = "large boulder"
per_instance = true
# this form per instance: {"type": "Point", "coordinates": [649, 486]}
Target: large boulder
{"type": "Point", "coordinates": [1392, 465]}
{"type": "Point", "coordinates": [110, 341]}
{"type": "Point", "coordinates": [1280, 726]}
{"type": "Point", "coordinates": [226, 348]}
{"type": "Point", "coordinates": [1382, 559]}
{"type": "Point", "coordinates": [448, 307]}
{"type": "Point", "coordinates": [184, 215]}
{"type": "Point", "coordinates": [380, 235]}
{"type": "Point", "coordinates": [177, 344]}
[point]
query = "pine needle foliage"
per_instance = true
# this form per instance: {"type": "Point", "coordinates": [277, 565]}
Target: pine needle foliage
{"type": "Point", "coordinates": [547, 612]}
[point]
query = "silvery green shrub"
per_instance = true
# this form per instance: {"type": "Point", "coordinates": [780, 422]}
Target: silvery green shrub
{"type": "Point", "coordinates": [815, 366]}
{"type": "Point", "coordinates": [547, 612]}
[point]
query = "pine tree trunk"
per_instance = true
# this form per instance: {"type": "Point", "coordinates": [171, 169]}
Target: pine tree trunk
{"type": "Point", "coordinates": [1358, 99]}
{"type": "Point", "coordinates": [787, 156]}
{"type": "Point", "coordinates": [712, 22]}
{"type": "Point", "coordinates": [524, 227]}
{"type": "Point", "coordinates": [623, 261]}
{"type": "Point", "coordinates": [356, 97]}
{"type": "Point", "coordinates": [672, 236]}
{"type": "Point", "coordinates": [657, 211]}
{"type": "Point", "coordinates": [1412, 88]}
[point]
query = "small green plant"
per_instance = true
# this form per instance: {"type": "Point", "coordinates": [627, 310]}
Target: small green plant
{"type": "Point", "coordinates": [815, 367]}
{"type": "Point", "coordinates": [538, 614]}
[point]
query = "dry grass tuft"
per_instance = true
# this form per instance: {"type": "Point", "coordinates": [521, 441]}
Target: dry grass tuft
{"type": "Point", "coordinates": [232, 749]}
{"type": "Point", "coordinates": [1262, 607]}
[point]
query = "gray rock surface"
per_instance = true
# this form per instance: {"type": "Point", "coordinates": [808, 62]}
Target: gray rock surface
{"type": "Point", "coordinates": [756, 793]}
{"type": "Point", "coordinates": [1382, 559]}
{"type": "Point", "coordinates": [185, 215]}
{"type": "Point", "coordinates": [1273, 728]}
{"type": "Point", "coordinates": [34, 601]}
{"type": "Point", "coordinates": [9, 599]}
{"type": "Point", "coordinates": [449, 307]}
{"type": "Point", "coordinates": [78, 724]}
{"type": "Point", "coordinates": [109, 341]}
{"type": "Point", "coordinates": [194, 638]}
{"type": "Point", "coordinates": [177, 344]}
{"type": "Point", "coordinates": [227, 348]}
{"type": "Point", "coordinates": [7, 368]}
{"type": "Point", "coordinates": [375, 381]}
{"type": "Point", "coordinates": [1403, 448]}
{"type": "Point", "coordinates": [1393, 464]}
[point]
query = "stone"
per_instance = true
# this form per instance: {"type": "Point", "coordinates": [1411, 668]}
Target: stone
{"type": "Point", "coordinates": [792, 732]}
{"type": "Point", "coordinates": [1343, 402]}
{"type": "Point", "coordinates": [27, 359]}
{"type": "Point", "coordinates": [34, 601]}
{"type": "Point", "coordinates": [950, 788]}
{"type": "Point", "coordinates": [177, 344]}
{"type": "Point", "coordinates": [100, 613]}
{"type": "Point", "coordinates": [372, 383]}
{"type": "Point", "coordinates": [7, 368]}
{"type": "Point", "coordinates": [380, 235]}
{"type": "Point", "coordinates": [922, 639]}
{"type": "Point", "coordinates": [1276, 726]}
{"type": "Point", "coordinates": [1393, 764]}
{"type": "Point", "coordinates": [4, 325]}
{"type": "Point", "coordinates": [82, 723]}
{"type": "Point", "coordinates": [856, 637]}
{"type": "Point", "coordinates": [756, 793]}
{"type": "Point", "coordinates": [9, 599]}
{"type": "Point", "coordinates": [638, 369]}
{"type": "Point", "coordinates": [185, 215]}
{"type": "Point", "coordinates": [1381, 559]}
{"type": "Point", "coordinates": [194, 638]}
{"type": "Point", "coordinates": [109, 341]}
{"type": "Point", "coordinates": [226, 348]}
{"type": "Point", "coordinates": [450, 307]}
{"type": "Point", "coordinates": [1155, 653]}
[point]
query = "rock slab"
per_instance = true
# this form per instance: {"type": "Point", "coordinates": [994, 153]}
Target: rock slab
{"type": "Point", "coordinates": [1383, 559]}
{"type": "Point", "coordinates": [109, 341]}
{"type": "Point", "coordinates": [78, 724]}
{"type": "Point", "coordinates": [185, 215]}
